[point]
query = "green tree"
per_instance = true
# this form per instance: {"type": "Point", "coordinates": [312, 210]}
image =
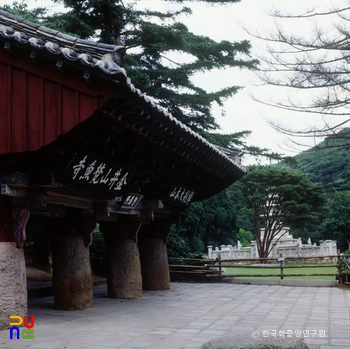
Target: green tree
{"type": "Point", "coordinates": [245, 237]}
{"type": "Point", "coordinates": [218, 222]}
{"type": "Point", "coordinates": [185, 238]}
{"type": "Point", "coordinates": [337, 221]}
{"type": "Point", "coordinates": [277, 197]}
{"type": "Point", "coordinates": [155, 41]}
{"type": "Point", "coordinates": [328, 163]}
{"type": "Point", "coordinates": [208, 222]}
{"type": "Point", "coordinates": [20, 8]}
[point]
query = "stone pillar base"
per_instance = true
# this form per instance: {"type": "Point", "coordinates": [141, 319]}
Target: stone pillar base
{"type": "Point", "coordinates": [154, 264]}
{"type": "Point", "coordinates": [72, 276]}
{"type": "Point", "coordinates": [124, 274]}
{"type": "Point", "coordinates": [13, 285]}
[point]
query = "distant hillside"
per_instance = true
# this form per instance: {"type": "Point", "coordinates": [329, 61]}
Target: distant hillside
{"type": "Point", "coordinates": [329, 162]}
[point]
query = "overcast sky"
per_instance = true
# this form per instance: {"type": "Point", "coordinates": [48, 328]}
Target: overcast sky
{"type": "Point", "coordinates": [225, 23]}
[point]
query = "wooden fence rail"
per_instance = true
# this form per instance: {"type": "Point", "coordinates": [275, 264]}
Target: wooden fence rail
{"type": "Point", "coordinates": [214, 269]}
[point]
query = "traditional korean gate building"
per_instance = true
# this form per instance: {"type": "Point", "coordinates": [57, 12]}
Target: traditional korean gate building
{"type": "Point", "coordinates": [79, 144]}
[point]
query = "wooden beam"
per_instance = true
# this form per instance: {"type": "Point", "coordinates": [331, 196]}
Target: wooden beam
{"type": "Point", "coordinates": [69, 201]}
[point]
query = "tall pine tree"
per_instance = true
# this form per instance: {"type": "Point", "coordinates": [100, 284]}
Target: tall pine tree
{"type": "Point", "coordinates": [151, 37]}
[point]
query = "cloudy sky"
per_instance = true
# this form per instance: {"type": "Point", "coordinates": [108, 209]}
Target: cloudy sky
{"type": "Point", "coordinates": [226, 23]}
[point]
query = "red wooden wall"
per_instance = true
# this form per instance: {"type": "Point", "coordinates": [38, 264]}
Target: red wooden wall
{"type": "Point", "coordinates": [35, 110]}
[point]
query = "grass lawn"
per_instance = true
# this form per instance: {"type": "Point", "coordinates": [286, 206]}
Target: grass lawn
{"type": "Point", "coordinates": [276, 271]}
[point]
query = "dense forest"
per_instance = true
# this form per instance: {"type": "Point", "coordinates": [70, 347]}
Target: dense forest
{"type": "Point", "coordinates": [328, 162]}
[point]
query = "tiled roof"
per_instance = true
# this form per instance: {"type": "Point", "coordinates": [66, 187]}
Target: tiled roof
{"type": "Point", "coordinates": [102, 57]}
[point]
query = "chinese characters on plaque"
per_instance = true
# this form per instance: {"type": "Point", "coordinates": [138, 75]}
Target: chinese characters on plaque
{"type": "Point", "coordinates": [180, 195]}
{"type": "Point", "coordinates": [132, 200]}
{"type": "Point", "coordinates": [89, 171]}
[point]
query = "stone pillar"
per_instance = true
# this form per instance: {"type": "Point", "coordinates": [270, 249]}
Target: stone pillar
{"type": "Point", "coordinates": [253, 250]}
{"type": "Point", "coordinates": [322, 251]}
{"type": "Point", "coordinates": [210, 250]}
{"type": "Point", "coordinates": [72, 276]}
{"type": "Point", "coordinates": [329, 245]}
{"type": "Point", "coordinates": [13, 285]}
{"type": "Point", "coordinates": [154, 256]}
{"type": "Point", "coordinates": [124, 269]}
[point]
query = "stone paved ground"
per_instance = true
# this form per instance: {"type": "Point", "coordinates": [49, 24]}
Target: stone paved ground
{"type": "Point", "coordinates": [188, 315]}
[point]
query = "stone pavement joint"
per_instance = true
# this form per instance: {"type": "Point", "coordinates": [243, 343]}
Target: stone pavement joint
{"type": "Point", "coordinates": [189, 315]}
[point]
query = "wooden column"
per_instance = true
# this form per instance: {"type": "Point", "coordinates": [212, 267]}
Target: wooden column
{"type": "Point", "coordinates": [72, 276]}
{"type": "Point", "coordinates": [13, 285]}
{"type": "Point", "coordinates": [124, 269]}
{"type": "Point", "coordinates": [154, 256]}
